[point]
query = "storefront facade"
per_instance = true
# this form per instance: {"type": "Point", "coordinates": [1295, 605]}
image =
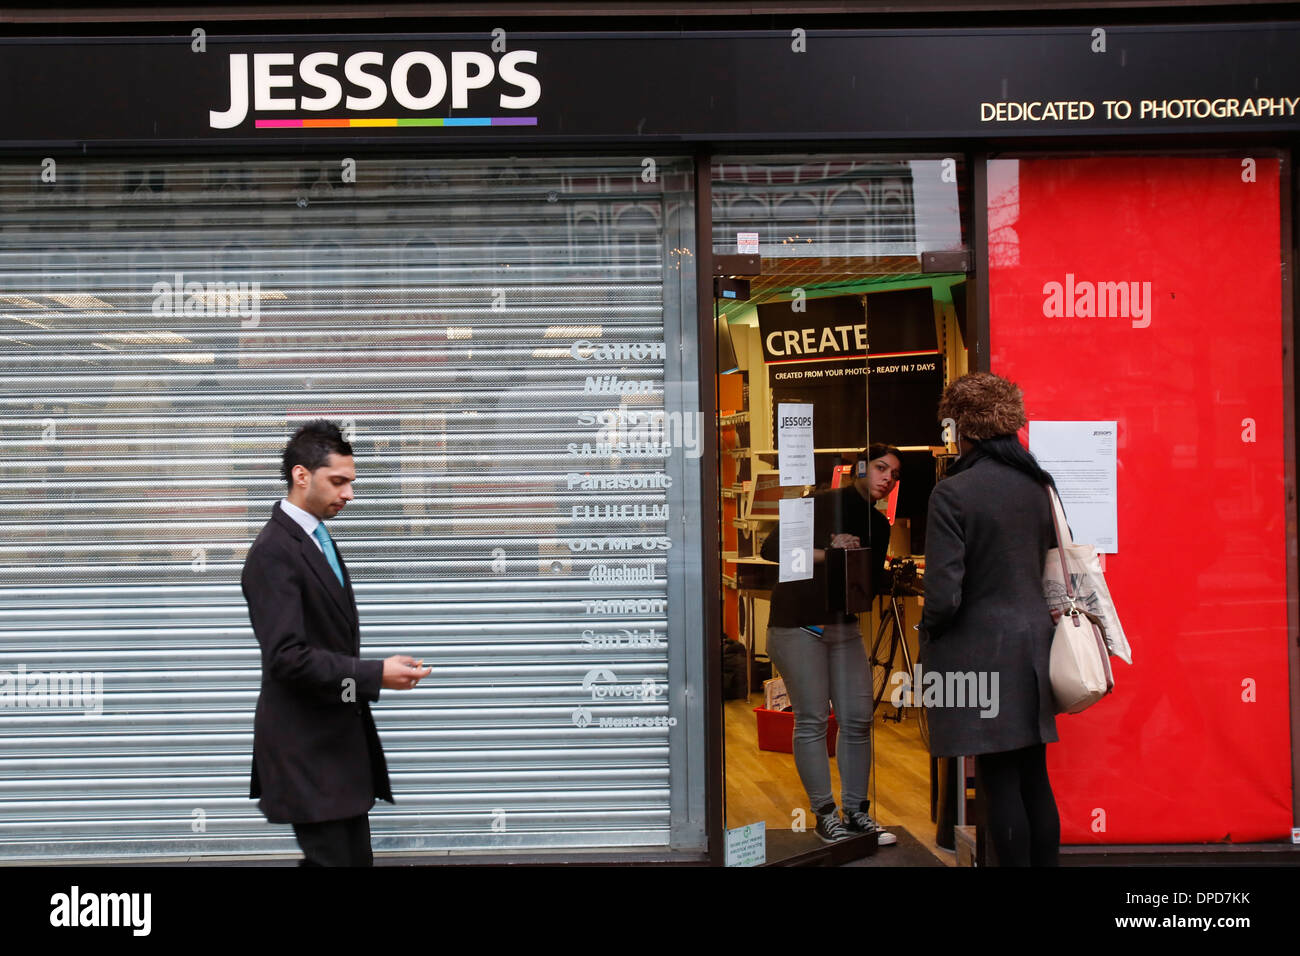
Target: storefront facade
{"type": "Point", "coordinates": [484, 253]}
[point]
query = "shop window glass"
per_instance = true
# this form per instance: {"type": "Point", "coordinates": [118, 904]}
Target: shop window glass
{"type": "Point", "coordinates": [1143, 295]}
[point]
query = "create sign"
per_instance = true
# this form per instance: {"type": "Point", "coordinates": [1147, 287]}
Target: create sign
{"type": "Point", "coordinates": [818, 354]}
{"type": "Point", "coordinates": [815, 353]}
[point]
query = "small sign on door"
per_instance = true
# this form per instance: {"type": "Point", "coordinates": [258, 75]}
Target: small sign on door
{"type": "Point", "coordinates": [747, 845]}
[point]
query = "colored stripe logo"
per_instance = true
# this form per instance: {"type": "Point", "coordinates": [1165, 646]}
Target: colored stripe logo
{"type": "Point", "coordinates": [397, 121]}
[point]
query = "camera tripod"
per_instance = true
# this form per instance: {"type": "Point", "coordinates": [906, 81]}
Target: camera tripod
{"type": "Point", "coordinates": [890, 654]}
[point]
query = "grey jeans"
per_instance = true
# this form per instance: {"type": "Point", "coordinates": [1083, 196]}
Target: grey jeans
{"type": "Point", "coordinates": [817, 669]}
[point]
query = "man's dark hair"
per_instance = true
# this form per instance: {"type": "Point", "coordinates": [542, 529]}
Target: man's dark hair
{"type": "Point", "coordinates": [311, 447]}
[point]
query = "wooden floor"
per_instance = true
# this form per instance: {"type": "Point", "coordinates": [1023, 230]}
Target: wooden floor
{"type": "Point", "coordinates": [763, 785]}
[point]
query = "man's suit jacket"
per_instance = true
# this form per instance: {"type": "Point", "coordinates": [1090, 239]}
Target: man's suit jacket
{"type": "Point", "coordinates": [316, 753]}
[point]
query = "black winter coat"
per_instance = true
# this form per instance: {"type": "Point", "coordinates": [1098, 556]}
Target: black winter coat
{"type": "Point", "coordinates": [835, 511]}
{"type": "Point", "coordinates": [987, 537]}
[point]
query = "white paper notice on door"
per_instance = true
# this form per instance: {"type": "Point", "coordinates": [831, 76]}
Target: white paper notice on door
{"type": "Point", "coordinates": [796, 539]}
{"type": "Point", "coordinates": [1081, 457]}
{"type": "Point", "coordinates": [794, 443]}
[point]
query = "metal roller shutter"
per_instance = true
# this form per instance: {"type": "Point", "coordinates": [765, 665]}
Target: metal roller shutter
{"type": "Point", "coordinates": [507, 342]}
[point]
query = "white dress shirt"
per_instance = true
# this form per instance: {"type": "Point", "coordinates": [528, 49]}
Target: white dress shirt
{"type": "Point", "coordinates": [306, 521]}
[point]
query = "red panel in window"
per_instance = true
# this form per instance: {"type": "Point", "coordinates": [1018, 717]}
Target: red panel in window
{"type": "Point", "coordinates": [1194, 745]}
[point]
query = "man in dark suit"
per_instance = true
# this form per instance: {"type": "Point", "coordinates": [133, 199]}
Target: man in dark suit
{"type": "Point", "coordinates": [317, 760]}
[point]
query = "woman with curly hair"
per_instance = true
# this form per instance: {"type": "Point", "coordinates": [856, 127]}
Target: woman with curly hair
{"type": "Point", "coordinates": [987, 537]}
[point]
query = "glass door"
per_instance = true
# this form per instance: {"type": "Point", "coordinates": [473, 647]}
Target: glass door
{"type": "Point", "coordinates": [835, 337]}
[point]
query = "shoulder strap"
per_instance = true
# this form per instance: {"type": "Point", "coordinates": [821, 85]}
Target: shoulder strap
{"type": "Point", "coordinates": [1063, 536]}
{"type": "Point", "coordinates": [1063, 540]}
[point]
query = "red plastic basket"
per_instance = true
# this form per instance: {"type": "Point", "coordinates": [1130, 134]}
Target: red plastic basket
{"type": "Point", "coordinates": [776, 731]}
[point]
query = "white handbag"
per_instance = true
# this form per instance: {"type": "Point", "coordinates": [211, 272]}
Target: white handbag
{"type": "Point", "coordinates": [1080, 661]}
{"type": "Point", "coordinates": [1083, 584]}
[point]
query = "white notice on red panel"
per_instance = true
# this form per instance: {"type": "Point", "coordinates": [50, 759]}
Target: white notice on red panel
{"type": "Point", "coordinates": [1081, 457]}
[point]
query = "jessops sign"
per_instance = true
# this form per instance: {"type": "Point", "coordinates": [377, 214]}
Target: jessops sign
{"type": "Point", "coordinates": [646, 87]}
{"type": "Point", "coordinates": [328, 89]}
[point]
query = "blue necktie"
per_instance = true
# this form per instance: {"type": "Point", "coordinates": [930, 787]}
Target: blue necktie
{"type": "Point", "coordinates": [327, 546]}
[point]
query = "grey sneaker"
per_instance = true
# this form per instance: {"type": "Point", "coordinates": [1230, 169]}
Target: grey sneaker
{"type": "Point", "coordinates": [860, 822]}
{"type": "Point", "coordinates": [830, 828]}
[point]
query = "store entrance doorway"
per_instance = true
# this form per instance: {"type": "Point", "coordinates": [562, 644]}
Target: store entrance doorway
{"type": "Point", "coordinates": [831, 361]}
